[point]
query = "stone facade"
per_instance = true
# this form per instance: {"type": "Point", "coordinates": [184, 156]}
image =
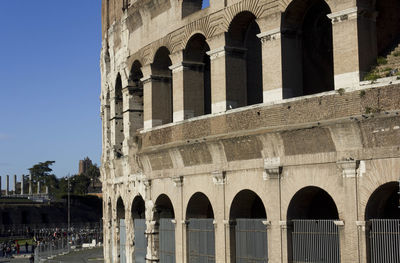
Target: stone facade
{"type": "Point", "coordinates": [207, 110]}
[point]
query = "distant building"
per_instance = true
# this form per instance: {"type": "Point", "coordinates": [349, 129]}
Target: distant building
{"type": "Point", "coordinates": [84, 165]}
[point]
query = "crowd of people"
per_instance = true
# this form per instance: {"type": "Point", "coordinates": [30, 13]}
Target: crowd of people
{"type": "Point", "coordinates": [49, 240]}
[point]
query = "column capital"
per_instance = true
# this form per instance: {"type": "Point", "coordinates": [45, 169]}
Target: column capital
{"type": "Point", "coordinates": [219, 177]}
{"type": "Point", "coordinates": [270, 35]}
{"type": "Point", "coordinates": [178, 181]}
{"type": "Point", "coordinates": [348, 167]}
{"type": "Point", "coordinates": [272, 168]}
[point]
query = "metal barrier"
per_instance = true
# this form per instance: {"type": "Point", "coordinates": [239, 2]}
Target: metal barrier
{"type": "Point", "coordinates": [201, 237]}
{"type": "Point", "coordinates": [384, 237]}
{"type": "Point", "coordinates": [251, 241]}
{"type": "Point", "coordinates": [45, 250]}
{"type": "Point", "coordinates": [140, 240]}
{"type": "Point", "coordinates": [122, 241]}
{"type": "Point", "coordinates": [315, 241]}
{"type": "Point", "coordinates": [167, 241]}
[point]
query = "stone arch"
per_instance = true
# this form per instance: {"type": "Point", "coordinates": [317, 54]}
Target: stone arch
{"type": "Point", "coordinates": [163, 207]}
{"type": "Point", "coordinates": [307, 48]}
{"type": "Point", "coordinates": [136, 96]}
{"type": "Point", "coordinates": [200, 228]}
{"type": "Point", "coordinates": [243, 61]}
{"type": "Point", "coordinates": [163, 215]}
{"type": "Point", "coordinates": [247, 216]}
{"type": "Point", "coordinates": [387, 25]}
{"type": "Point", "coordinates": [162, 101]}
{"type": "Point", "coordinates": [196, 77]}
{"type": "Point", "coordinates": [247, 204]}
{"type": "Point", "coordinates": [384, 202]}
{"type": "Point", "coordinates": [199, 206]}
{"type": "Point", "coordinates": [382, 214]}
{"type": "Point", "coordinates": [118, 117]}
{"type": "Point", "coordinates": [120, 229]}
{"type": "Point", "coordinates": [312, 208]}
{"type": "Point", "coordinates": [138, 215]}
{"type": "Point", "coordinates": [312, 202]}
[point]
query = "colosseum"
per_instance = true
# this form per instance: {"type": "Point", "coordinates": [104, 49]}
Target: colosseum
{"type": "Point", "coordinates": [251, 131]}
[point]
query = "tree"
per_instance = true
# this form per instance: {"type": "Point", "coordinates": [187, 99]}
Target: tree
{"type": "Point", "coordinates": [41, 172]}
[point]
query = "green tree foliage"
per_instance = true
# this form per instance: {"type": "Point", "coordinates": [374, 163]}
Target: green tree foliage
{"type": "Point", "coordinates": [41, 172]}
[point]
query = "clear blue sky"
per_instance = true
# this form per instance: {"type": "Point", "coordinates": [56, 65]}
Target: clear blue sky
{"type": "Point", "coordinates": [49, 84]}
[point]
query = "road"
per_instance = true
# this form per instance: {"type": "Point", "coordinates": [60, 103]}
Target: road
{"type": "Point", "coordinates": [94, 255]}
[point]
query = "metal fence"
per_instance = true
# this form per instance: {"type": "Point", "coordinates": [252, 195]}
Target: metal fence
{"type": "Point", "coordinates": [201, 241]}
{"type": "Point", "coordinates": [315, 241]}
{"type": "Point", "coordinates": [251, 241]}
{"type": "Point", "coordinates": [167, 241]}
{"type": "Point", "coordinates": [384, 237]}
{"type": "Point", "coordinates": [51, 248]}
{"type": "Point", "coordinates": [140, 240]}
{"type": "Point", "coordinates": [122, 241]}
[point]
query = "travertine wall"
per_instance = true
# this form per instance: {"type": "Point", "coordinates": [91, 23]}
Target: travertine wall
{"type": "Point", "coordinates": [344, 141]}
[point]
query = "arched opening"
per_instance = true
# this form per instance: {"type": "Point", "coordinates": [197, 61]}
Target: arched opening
{"type": "Point", "coordinates": [379, 38]}
{"type": "Point", "coordinates": [200, 229]}
{"type": "Point", "coordinates": [107, 125]}
{"type": "Point", "coordinates": [110, 242]}
{"type": "Point", "coordinates": [118, 118]}
{"type": "Point", "coordinates": [164, 216]}
{"type": "Point", "coordinates": [139, 228]}
{"type": "Point", "coordinates": [243, 62]}
{"type": "Point", "coordinates": [248, 232]}
{"type": "Point", "coordinates": [136, 96]}
{"type": "Point", "coordinates": [162, 88]}
{"type": "Point", "coordinates": [311, 216]}
{"type": "Point", "coordinates": [382, 216]}
{"type": "Point", "coordinates": [121, 242]}
{"type": "Point", "coordinates": [191, 6]}
{"type": "Point", "coordinates": [307, 48]}
{"type": "Point", "coordinates": [387, 25]}
{"type": "Point", "coordinates": [196, 78]}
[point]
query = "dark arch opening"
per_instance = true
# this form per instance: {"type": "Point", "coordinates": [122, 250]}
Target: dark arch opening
{"type": "Point", "coordinates": [199, 206]}
{"type": "Point", "coordinates": [247, 204]}
{"type": "Point", "coordinates": [120, 209]}
{"type": "Point", "coordinates": [384, 202]}
{"type": "Point", "coordinates": [138, 208]}
{"type": "Point", "coordinates": [118, 117]}
{"type": "Point", "coordinates": [161, 94]}
{"type": "Point", "coordinates": [246, 228]}
{"type": "Point", "coordinates": [196, 77]}
{"type": "Point", "coordinates": [312, 202]}
{"type": "Point", "coordinates": [387, 25]}
{"type": "Point", "coordinates": [163, 208]}
{"type": "Point", "coordinates": [312, 208]}
{"type": "Point", "coordinates": [139, 227]}
{"type": "Point", "coordinates": [307, 48]}
{"type": "Point", "coordinates": [163, 215]}
{"type": "Point", "coordinates": [191, 6]}
{"type": "Point", "coordinates": [136, 91]}
{"type": "Point", "coordinates": [382, 215]}
{"type": "Point", "coordinates": [25, 217]}
{"type": "Point", "coordinates": [243, 62]}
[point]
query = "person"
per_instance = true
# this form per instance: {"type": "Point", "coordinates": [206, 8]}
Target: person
{"type": "Point", "coordinates": [17, 247]}
{"type": "Point", "coordinates": [32, 259]}
{"type": "Point", "coordinates": [26, 247]}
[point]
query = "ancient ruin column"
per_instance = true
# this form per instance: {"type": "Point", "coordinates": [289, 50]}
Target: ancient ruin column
{"type": "Point", "coordinates": [38, 187]}
{"type": "Point", "coordinates": [218, 73]}
{"type": "Point", "coordinates": [47, 190]}
{"type": "Point", "coordinates": [354, 45]}
{"type": "Point", "coordinates": [30, 184]}
{"type": "Point", "coordinates": [7, 183]}
{"type": "Point", "coordinates": [348, 230]}
{"type": "Point", "coordinates": [152, 84]}
{"type": "Point", "coordinates": [177, 82]}
{"type": "Point", "coordinates": [22, 184]}
{"type": "Point", "coordinates": [15, 184]}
